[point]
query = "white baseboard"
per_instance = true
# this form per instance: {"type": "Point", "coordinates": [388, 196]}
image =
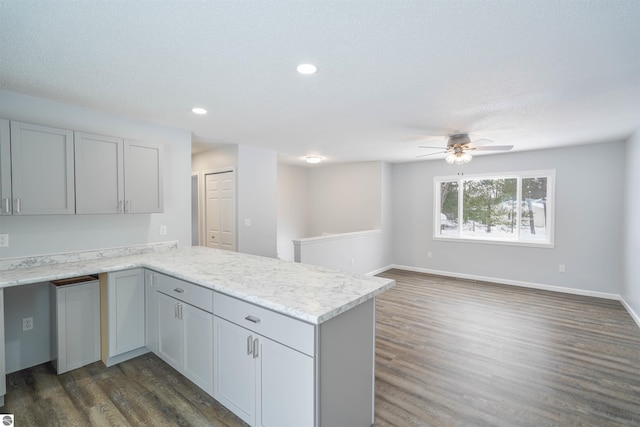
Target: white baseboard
{"type": "Point", "coordinates": [633, 314]}
{"type": "Point", "coordinates": [510, 282]}
{"type": "Point", "coordinates": [574, 291]}
{"type": "Point", "coordinates": [380, 270]}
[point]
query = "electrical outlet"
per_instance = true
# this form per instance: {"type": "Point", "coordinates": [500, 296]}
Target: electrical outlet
{"type": "Point", "coordinates": [163, 230]}
{"type": "Point", "coordinates": [561, 268]}
{"type": "Point", "coordinates": [27, 323]}
{"type": "Point", "coordinates": [4, 240]}
{"type": "Point", "coordinates": [247, 222]}
{"type": "Point", "coordinates": [429, 254]}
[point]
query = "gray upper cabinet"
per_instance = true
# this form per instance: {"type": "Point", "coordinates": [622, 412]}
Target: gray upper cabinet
{"type": "Point", "coordinates": [5, 169]}
{"type": "Point", "coordinates": [143, 184]}
{"type": "Point", "coordinates": [99, 174]}
{"type": "Point", "coordinates": [42, 170]}
{"type": "Point", "coordinates": [117, 176]}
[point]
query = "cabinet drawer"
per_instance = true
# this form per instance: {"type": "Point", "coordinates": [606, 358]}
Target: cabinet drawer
{"type": "Point", "coordinates": [278, 327]}
{"type": "Point", "coordinates": [187, 292]}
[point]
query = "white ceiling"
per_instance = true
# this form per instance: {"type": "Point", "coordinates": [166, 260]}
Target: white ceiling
{"type": "Point", "coordinates": [532, 73]}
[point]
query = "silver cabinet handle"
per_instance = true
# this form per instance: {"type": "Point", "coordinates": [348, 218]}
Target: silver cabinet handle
{"type": "Point", "coordinates": [179, 311]}
{"type": "Point", "coordinates": [178, 290]}
{"type": "Point", "coordinates": [120, 206]}
{"type": "Point", "coordinates": [18, 205]}
{"type": "Point", "coordinates": [249, 344]}
{"type": "Point", "coordinates": [255, 348]}
{"type": "Point", "coordinates": [7, 205]}
{"type": "Point", "coordinates": [127, 206]}
{"type": "Point", "coordinates": [252, 319]}
{"type": "Point", "coordinates": [175, 311]}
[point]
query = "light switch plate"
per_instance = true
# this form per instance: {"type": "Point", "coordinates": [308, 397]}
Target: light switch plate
{"type": "Point", "coordinates": [4, 240]}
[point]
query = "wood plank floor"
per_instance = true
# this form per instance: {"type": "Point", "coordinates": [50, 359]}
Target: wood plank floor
{"type": "Point", "coordinates": [458, 353]}
{"type": "Point", "coordinates": [449, 353]}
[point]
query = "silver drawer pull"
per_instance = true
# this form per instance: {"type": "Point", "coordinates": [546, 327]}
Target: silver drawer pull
{"type": "Point", "coordinates": [178, 290]}
{"type": "Point", "coordinates": [252, 319]}
{"type": "Point", "coordinates": [249, 344]}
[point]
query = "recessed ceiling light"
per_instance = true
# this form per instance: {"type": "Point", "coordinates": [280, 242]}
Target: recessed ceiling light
{"type": "Point", "coordinates": [314, 159]}
{"type": "Point", "coordinates": [307, 69]}
{"type": "Point", "coordinates": [199, 110]}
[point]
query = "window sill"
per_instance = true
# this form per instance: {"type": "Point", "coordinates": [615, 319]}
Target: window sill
{"type": "Point", "coordinates": [531, 244]}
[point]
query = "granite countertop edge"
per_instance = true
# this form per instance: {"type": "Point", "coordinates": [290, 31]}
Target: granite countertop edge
{"type": "Point", "coordinates": [310, 302]}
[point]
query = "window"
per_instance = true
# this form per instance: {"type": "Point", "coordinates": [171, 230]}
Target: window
{"type": "Point", "coordinates": [514, 208]}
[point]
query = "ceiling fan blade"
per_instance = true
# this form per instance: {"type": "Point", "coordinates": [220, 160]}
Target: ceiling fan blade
{"type": "Point", "coordinates": [430, 154]}
{"type": "Point", "coordinates": [494, 148]}
{"type": "Point", "coordinates": [424, 146]}
{"type": "Point", "coordinates": [479, 142]}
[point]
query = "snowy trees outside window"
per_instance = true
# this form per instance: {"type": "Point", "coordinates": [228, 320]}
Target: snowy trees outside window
{"type": "Point", "coordinates": [515, 208]}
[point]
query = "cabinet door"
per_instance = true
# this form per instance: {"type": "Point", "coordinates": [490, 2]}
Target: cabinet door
{"type": "Point", "coordinates": [198, 346]}
{"type": "Point", "coordinates": [78, 325]}
{"type": "Point", "coordinates": [151, 310]}
{"type": "Point", "coordinates": [285, 386]}
{"type": "Point", "coordinates": [99, 174]}
{"type": "Point", "coordinates": [234, 369]}
{"type": "Point", "coordinates": [143, 177]}
{"type": "Point", "coordinates": [42, 170]}
{"type": "Point", "coordinates": [170, 331]}
{"type": "Point", "coordinates": [126, 311]}
{"type": "Point", "coordinates": [5, 169]}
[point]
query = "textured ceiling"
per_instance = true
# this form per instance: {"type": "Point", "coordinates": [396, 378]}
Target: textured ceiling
{"type": "Point", "coordinates": [532, 73]}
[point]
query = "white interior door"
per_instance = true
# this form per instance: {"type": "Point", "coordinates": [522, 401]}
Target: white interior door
{"type": "Point", "coordinates": [220, 210]}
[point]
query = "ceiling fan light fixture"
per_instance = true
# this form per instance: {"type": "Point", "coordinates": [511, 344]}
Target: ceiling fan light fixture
{"type": "Point", "coordinates": [458, 158]}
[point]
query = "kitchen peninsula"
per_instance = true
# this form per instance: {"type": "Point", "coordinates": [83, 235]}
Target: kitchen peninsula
{"type": "Point", "coordinates": [284, 343]}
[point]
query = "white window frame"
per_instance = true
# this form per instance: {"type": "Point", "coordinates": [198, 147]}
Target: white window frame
{"type": "Point", "coordinates": [517, 241]}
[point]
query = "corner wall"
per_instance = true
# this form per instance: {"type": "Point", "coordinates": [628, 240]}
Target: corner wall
{"type": "Point", "coordinates": [631, 289]}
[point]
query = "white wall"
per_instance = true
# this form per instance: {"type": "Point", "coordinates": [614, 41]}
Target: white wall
{"type": "Point", "coordinates": [257, 178]}
{"type": "Point", "coordinates": [631, 289]}
{"type": "Point", "coordinates": [222, 156]}
{"type": "Point", "coordinates": [293, 207]}
{"type": "Point", "coordinates": [357, 252]}
{"type": "Point", "coordinates": [589, 214]}
{"type": "Point", "coordinates": [36, 235]}
{"type": "Point", "coordinates": [345, 198]}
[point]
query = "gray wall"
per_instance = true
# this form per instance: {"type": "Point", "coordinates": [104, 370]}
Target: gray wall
{"type": "Point", "coordinates": [24, 349]}
{"type": "Point", "coordinates": [631, 290]}
{"type": "Point", "coordinates": [45, 234]}
{"type": "Point", "coordinates": [256, 193]}
{"type": "Point", "coordinates": [345, 197]}
{"type": "Point", "coordinates": [257, 179]}
{"type": "Point", "coordinates": [293, 207]}
{"type": "Point", "coordinates": [589, 215]}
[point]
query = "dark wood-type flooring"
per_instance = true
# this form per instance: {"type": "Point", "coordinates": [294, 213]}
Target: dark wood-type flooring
{"type": "Point", "coordinates": [448, 353]}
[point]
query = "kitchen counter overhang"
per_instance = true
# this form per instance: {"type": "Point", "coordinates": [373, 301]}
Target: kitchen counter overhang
{"type": "Point", "coordinates": [309, 293]}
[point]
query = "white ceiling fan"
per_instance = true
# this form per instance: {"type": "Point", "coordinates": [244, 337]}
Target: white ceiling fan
{"type": "Point", "coordinates": [459, 148]}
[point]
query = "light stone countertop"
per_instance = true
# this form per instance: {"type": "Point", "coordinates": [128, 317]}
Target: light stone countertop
{"type": "Point", "coordinates": [306, 292]}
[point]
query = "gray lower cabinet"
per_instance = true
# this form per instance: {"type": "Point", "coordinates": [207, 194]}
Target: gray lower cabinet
{"type": "Point", "coordinates": [76, 325]}
{"type": "Point", "coordinates": [123, 331]}
{"type": "Point", "coordinates": [3, 382]}
{"type": "Point", "coordinates": [263, 381]}
{"type": "Point", "coordinates": [42, 170]}
{"type": "Point", "coordinates": [185, 329]}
